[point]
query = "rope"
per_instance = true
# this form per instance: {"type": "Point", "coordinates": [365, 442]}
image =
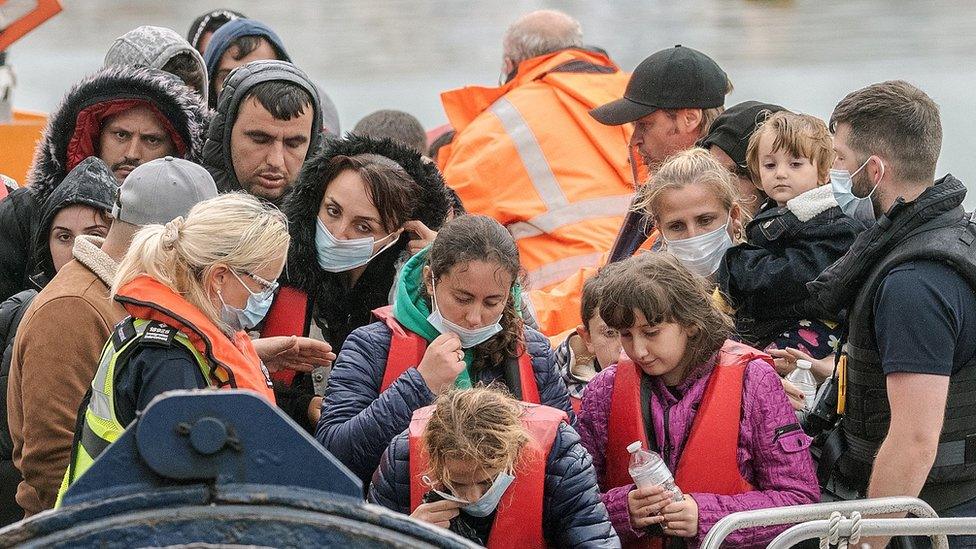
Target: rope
{"type": "Point", "coordinates": [855, 528]}
{"type": "Point", "coordinates": [833, 531]}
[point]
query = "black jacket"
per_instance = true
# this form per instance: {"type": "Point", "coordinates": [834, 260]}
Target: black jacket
{"type": "Point", "coordinates": [216, 150]}
{"type": "Point", "coordinates": [19, 212]}
{"type": "Point", "coordinates": [338, 309]}
{"type": "Point", "coordinates": [11, 313]}
{"type": "Point", "coordinates": [787, 248]}
{"type": "Point", "coordinates": [572, 513]}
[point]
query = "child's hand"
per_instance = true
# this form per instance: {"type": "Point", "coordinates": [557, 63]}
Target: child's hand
{"type": "Point", "coordinates": [645, 506]}
{"type": "Point", "coordinates": [681, 518]}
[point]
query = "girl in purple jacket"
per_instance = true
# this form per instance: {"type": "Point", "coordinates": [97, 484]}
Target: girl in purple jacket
{"type": "Point", "coordinates": [676, 338]}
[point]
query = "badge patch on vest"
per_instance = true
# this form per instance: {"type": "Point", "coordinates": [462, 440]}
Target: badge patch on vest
{"type": "Point", "coordinates": [159, 334]}
{"type": "Point", "coordinates": [123, 332]}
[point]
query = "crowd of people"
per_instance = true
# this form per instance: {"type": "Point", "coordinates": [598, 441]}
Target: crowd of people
{"type": "Point", "coordinates": [478, 321]}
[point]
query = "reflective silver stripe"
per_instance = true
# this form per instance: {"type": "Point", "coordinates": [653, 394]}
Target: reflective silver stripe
{"type": "Point", "coordinates": [531, 154]}
{"type": "Point", "coordinates": [100, 405]}
{"type": "Point", "coordinates": [576, 212]}
{"type": "Point", "coordinates": [558, 271]}
{"type": "Point", "coordinates": [101, 402]}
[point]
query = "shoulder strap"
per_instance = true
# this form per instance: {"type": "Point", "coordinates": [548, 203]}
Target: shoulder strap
{"type": "Point", "coordinates": [406, 348]}
{"type": "Point", "coordinates": [625, 423]}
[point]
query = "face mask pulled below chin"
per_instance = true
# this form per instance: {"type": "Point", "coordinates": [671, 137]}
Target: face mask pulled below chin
{"type": "Point", "coordinates": [337, 256]}
{"type": "Point", "coordinates": [469, 337]}
{"type": "Point", "coordinates": [702, 254]}
{"type": "Point", "coordinates": [842, 185]}
{"type": "Point", "coordinates": [488, 502]}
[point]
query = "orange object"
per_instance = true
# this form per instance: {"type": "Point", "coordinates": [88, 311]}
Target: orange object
{"type": "Point", "coordinates": [518, 522]}
{"type": "Point", "coordinates": [709, 461]}
{"type": "Point", "coordinates": [233, 364]}
{"type": "Point", "coordinates": [26, 22]}
{"type": "Point", "coordinates": [529, 155]}
{"type": "Point", "coordinates": [19, 139]}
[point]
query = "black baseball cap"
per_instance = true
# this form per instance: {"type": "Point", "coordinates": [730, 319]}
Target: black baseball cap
{"type": "Point", "coordinates": [733, 128]}
{"type": "Point", "coordinates": [675, 78]}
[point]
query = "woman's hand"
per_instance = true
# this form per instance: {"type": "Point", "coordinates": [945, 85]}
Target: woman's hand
{"type": "Point", "coordinates": [645, 505]}
{"type": "Point", "coordinates": [301, 354]}
{"type": "Point", "coordinates": [422, 235]}
{"type": "Point", "coordinates": [443, 361]}
{"type": "Point", "coordinates": [681, 518]}
{"type": "Point", "coordinates": [438, 513]}
{"type": "Point", "coordinates": [785, 362]}
{"type": "Point", "coordinates": [797, 398]}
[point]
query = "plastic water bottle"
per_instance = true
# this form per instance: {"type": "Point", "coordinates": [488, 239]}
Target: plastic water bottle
{"type": "Point", "coordinates": [648, 469]}
{"type": "Point", "coordinates": [803, 378]}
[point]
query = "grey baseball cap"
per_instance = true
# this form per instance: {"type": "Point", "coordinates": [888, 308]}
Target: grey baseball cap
{"type": "Point", "coordinates": [161, 190]}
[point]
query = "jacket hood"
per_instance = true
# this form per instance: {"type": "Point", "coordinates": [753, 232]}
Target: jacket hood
{"type": "Point", "coordinates": [181, 107]}
{"type": "Point", "coordinates": [230, 31]}
{"type": "Point", "coordinates": [216, 149]}
{"type": "Point", "coordinates": [153, 47]}
{"type": "Point", "coordinates": [302, 205]}
{"type": "Point", "coordinates": [90, 183]}
{"type": "Point", "coordinates": [212, 20]}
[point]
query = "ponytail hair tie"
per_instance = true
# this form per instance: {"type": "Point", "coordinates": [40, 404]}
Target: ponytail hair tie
{"type": "Point", "coordinates": [171, 233]}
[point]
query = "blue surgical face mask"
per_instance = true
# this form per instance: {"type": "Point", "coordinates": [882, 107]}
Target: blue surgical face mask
{"type": "Point", "coordinates": [253, 312]}
{"type": "Point", "coordinates": [842, 185]}
{"type": "Point", "coordinates": [488, 502]}
{"type": "Point", "coordinates": [469, 338]}
{"type": "Point", "coordinates": [337, 256]}
{"type": "Point", "coordinates": [702, 254]}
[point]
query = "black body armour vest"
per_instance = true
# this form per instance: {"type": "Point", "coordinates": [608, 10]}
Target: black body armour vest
{"type": "Point", "coordinates": [950, 239]}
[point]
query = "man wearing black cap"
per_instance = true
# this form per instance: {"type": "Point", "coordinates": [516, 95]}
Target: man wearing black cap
{"type": "Point", "coordinates": [728, 139]}
{"type": "Point", "coordinates": [672, 98]}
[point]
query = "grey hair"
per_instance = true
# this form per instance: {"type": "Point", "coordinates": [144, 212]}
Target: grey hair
{"type": "Point", "coordinates": [539, 33]}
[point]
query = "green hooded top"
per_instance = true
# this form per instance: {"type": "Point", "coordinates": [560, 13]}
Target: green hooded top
{"type": "Point", "coordinates": [411, 308]}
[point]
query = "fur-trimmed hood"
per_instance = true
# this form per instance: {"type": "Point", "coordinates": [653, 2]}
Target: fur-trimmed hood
{"type": "Point", "coordinates": [216, 151]}
{"type": "Point", "coordinates": [302, 206]}
{"type": "Point", "coordinates": [178, 103]}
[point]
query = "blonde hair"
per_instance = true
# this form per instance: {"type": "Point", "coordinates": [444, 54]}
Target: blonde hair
{"type": "Point", "coordinates": [482, 425]}
{"type": "Point", "coordinates": [801, 135]}
{"type": "Point", "coordinates": [694, 166]}
{"type": "Point", "coordinates": [235, 229]}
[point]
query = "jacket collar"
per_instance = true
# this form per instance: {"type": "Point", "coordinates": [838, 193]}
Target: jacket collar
{"type": "Point", "coordinates": [837, 286]}
{"type": "Point", "coordinates": [463, 105]}
{"type": "Point", "coordinates": [87, 250]}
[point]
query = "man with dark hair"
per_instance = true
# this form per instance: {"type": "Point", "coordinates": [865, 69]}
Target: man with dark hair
{"type": "Point", "coordinates": [126, 116]}
{"type": "Point", "coordinates": [203, 27]}
{"type": "Point", "coordinates": [268, 122]}
{"type": "Point", "coordinates": [908, 363]}
{"type": "Point", "coordinates": [401, 127]}
{"type": "Point", "coordinates": [237, 43]}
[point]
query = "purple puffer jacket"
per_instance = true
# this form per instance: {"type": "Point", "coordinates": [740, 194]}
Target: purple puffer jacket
{"type": "Point", "coordinates": [778, 466]}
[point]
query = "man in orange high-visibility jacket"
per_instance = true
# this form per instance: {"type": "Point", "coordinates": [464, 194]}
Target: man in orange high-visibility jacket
{"type": "Point", "coordinates": [529, 155]}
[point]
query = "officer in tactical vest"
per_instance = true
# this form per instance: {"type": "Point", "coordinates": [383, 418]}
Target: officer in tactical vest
{"type": "Point", "coordinates": [907, 369]}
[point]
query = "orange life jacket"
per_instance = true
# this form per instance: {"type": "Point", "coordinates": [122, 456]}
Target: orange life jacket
{"type": "Point", "coordinates": [529, 155]}
{"type": "Point", "coordinates": [518, 522]}
{"type": "Point", "coordinates": [234, 364]}
{"type": "Point", "coordinates": [290, 315]}
{"type": "Point", "coordinates": [407, 350]}
{"type": "Point", "coordinates": [709, 462]}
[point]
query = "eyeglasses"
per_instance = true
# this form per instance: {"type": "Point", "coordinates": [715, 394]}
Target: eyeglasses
{"type": "Point", "coordinates": [266, 285]}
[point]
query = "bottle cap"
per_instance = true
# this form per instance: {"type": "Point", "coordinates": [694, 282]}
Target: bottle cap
{"type": "Point", "coordinates": [634, 446]}
{"type": "Point", "coordinates": [803, 364]}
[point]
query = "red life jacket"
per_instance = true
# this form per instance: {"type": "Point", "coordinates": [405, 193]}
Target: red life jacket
{"type": "Point", "coordinates": [290, 315]}
{"type": "Point", "coordinates": [407, 350]}
{"type": "Point", "coordinates": [518, 522]}
{"type": "Point", "coordinates": [234, 363]}
{"type": "Point", "coordinates": [709, 462]}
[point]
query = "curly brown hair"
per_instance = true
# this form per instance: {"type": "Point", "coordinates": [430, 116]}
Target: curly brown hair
{"type": "Point", "coordinates": [479, 238]}
{"type": "Point", "coordinates": [663, 290]}
{"type": "Point", "coordinates": [482, 424]}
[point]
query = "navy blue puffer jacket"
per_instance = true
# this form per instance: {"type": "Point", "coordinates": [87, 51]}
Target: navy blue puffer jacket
{"type": "Point", "coordinates": [358, 422]}
{"type": "Point", "coordinates": [572, 513]}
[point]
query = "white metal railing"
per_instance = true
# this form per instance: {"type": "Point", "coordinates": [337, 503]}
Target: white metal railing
{"type": "Point", "coordinates": [819, 513]}
{"type": "Point", "coordinates": [849, 531]}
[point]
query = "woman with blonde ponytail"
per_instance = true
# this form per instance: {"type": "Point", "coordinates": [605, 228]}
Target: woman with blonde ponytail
{"type": "Point", "coordinates": [455, 322]}
{"type": "Point", "coordinates": [192, 288]}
